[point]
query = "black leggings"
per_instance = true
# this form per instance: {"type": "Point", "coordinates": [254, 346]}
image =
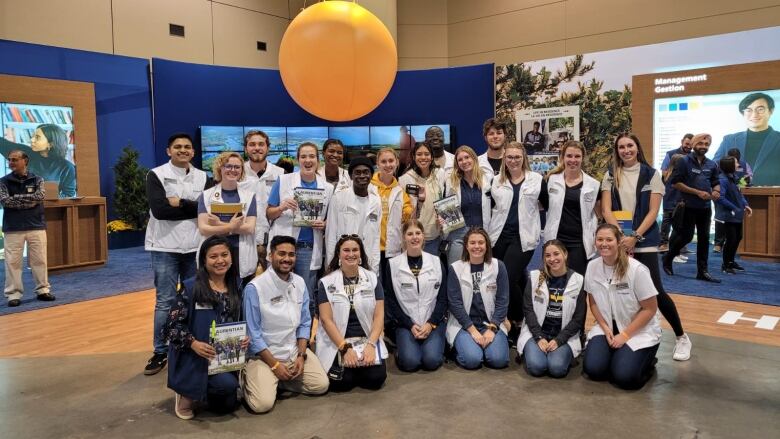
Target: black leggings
{"type": "Point", "coordinates": [511, 253]}
{"type": "Point", "coordinates": [665, 302]}
{"type": "Point", "coordinates": [370, 378]}
{"type": "Point", "coordinates": [733, 235]}
{"type": "Point", "coordinates": [577, 259]}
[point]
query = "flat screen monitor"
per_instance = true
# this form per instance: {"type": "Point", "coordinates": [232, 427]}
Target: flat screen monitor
{"type": "Point", "coordinates": [356, 140]}
{"type": "Point", "coordinates": [47, 135]}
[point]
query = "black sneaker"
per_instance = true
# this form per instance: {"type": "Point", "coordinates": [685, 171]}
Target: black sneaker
{"type": "Point", "coordinates": [737, 267]}
{"type": "Point", "coordinates": [156, 364]}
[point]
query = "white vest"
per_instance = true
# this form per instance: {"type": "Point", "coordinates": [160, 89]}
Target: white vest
{"type": "Point", "coordinates": [262, 188]}
{"type": "Point", "coordinates": [364, 301]}
{"type": "Point", "coordinates": [483, 162]}
{"type": "Point", "coordinates": [449, 160]}
{"type": "Point", "coordinates": [393, 238]}
{"type": "Point", "coordinates": [283, 225]}
{"type": "Point", "coordinates": [345, 219]}
{"type": "Point", "coordinates": [488, 287]}
{"type": "Point", "coordinates": [176, 236]}
{"type": "Point", "coordinates": [450, 190]}
{"type": "Point", "coordinates": [344, 181]}
{"type": "Point", "coordinates": [280, 311]}
{"type": "Point", "coordinates": [589, 195]}
{"type": "Point", "coordinates": [416, 295]}
{"type": "Point", "coordinates": [247, 252]}
{"type": "Point", "coordinates": [527, 210]}
{"type": "Point", "coordinates": [619, 302]}
{"type": "Point", "coordinates": [572, 291]}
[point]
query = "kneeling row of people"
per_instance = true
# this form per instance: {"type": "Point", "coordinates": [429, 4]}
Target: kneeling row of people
{"type": "Point", "coordinates": [350, 350]}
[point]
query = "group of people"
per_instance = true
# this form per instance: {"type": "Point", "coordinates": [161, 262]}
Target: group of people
{"type": "Point", "coordinates": [379, 268]}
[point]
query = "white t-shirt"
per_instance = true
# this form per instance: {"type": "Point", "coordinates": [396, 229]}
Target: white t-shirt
{"type": "Point", "coordinates": [627, 192]}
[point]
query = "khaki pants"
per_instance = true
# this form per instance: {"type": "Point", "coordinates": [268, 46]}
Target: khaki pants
{"type": "Point", "coordinates": [36, 254]}
{"type": "Point", "coordinates": [260, 383]}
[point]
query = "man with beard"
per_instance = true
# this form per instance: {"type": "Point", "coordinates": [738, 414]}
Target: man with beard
{"type": "Point", "coordinates": [276, 306]}
{"type": "Point", "coordinates": [671, 196]}
{"type": "Point", "coordinates": [356, 211]}
{"type": "Point", "coordinates": [684, 149]}
{"type": "Point", "coordinates": [172, 235]}
{"type": "Point", "coordinates": [696, 178]}
{"type": "Point", "coordinates": [260, 177]}
{"type": "Point", "coordinates": [434, 138]}
{"type": "Point", "coordinates": [495, 137]}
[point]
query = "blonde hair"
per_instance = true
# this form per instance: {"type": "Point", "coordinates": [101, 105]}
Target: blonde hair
{"type": "Point", "coordinates": [409, 224]}
{"type": "Point", "coordinates": [544, 272]}
{"type": "Point", "coordinates": [503, 175]}
{"type": "Point", "coordinates": [561, 165]}
{"type": "Point", "coordinates": [388, 150]}
{"type": "Point", "coordinates": [457, 173]}
{"type": "Point", "coordinates": [221, 160]}
{"type": "Point", "coordinates": [621, 266]}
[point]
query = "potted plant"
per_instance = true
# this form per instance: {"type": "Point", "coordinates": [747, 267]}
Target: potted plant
{"type": "Point", "coordinates": [130, 203]}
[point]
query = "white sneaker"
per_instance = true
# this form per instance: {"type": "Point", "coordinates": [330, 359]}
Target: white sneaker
{"type": "Point", "coordinates": [682, 348]}
{"type": "Point", "coordinates": [680, 259]}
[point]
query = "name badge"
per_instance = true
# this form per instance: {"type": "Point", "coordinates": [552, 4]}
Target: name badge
{"type": "Point", "coordinates": [645, 188]}
{"type": "Point", "coordinates": [277, 300]}
{"type": "Point", "coordinates": [367, 293]}
{"type": "Point", "coordinates": [588, 197]}
{"type": "Point", "coordinates": [553, 190]}
{"type": "Point", "coordinates": [491, 288]}
{"type": "Point", "coordinates": [169, 180]}
{"type": "Point", "coordinates": [621, 286]}
{"type": "Point", "coordinates": [372, 217]}
{"type": "Point", "coordinates": [270, 183]}
{"type": "Point", "coordinates": [538, 299]}
{"type": "Point", "coordinates": [696, 171]}
{"type": "Point", "coordinates": [203, 306]}
{"type": "Point", "coordinates": [406, 285]}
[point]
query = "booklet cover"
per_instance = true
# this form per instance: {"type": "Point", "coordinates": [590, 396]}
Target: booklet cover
{"type": "Point", "coordinates": [625, 221]}
{"type": "Point", "coordinates": [449, 210]}
{"type": "Point", "coordinates": [225, 211]}
{"type": "Point", "coordinates": [311, 206]}
{"type": "Point", "coordinates": [226, 339]}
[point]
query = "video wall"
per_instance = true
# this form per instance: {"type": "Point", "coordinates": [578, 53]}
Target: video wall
{"type": "Point", "coordinates": [46, 134]}
{"type": "Point", "coordinates": [357, 140]}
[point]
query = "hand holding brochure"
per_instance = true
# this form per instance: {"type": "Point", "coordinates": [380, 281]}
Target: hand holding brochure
{"type": "Point", "coordinates": [625, 221]}
{"type": "Point", "coordinates": [449, 210]}
{"type": "Point", "coordinates": [311, 206]}
{"type": "Point", "coordinates": [225, 211]}
{"type": "Point", "coordinates": [226, 340]}
{"type": "Point", "coordinates": [359, 345]}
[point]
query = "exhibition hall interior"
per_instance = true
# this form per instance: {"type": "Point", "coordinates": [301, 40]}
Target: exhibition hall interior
{"type": "Point", "coordinates": [389, 218]}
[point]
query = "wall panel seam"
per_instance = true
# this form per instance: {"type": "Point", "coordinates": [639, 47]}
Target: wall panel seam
{"type": "Point", "coordinates": [252, 10]}
{"type": "Point", "coordinates": [505, 12]}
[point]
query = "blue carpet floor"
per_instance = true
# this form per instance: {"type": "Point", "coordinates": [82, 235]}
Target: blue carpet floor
{"type": "Point", "coordinates": [127, 270]}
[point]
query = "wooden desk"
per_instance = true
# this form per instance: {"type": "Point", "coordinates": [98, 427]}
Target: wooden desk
{"type": "Point", "coordinates": [76, 232]}
{"type": "Point", "coordinates": [761, 232]}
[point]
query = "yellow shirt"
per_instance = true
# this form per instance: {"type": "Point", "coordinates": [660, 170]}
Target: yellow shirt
{"type": "Point", "coordinates": [384, 194]}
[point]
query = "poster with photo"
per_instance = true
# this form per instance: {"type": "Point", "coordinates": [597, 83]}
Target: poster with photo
{"type": "Point", "coordinates": [543, 163]}
{"type": "Point", "coordinates": [545, 130]}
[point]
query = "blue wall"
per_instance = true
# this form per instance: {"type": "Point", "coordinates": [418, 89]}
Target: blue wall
{"type": "Point", "coordinates": [187, 96]}
{"type": "Point", "coordinates": [122, 96]}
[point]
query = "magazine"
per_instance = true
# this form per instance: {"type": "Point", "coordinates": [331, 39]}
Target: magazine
{"type": "Point", "coordinates": [226, 339]}
{"type": "Point", "coordinates": [448, 209]}
{"type": "Point", "coordinates": [225, 211]}
{"type": "Point", "coordinates": [625, 221]}
{"type": "Point", "coordinates": [359, 345]}
{"type": "Point", "coordinates": [311, 206]}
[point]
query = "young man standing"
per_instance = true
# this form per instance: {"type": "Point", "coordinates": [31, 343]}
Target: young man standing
{"type": "Point", "coordinates": [172, 235]}
{"type": "Point", "coordinates": [276, 305]}
{"type": "Point", "coordinates": [261, 174]}
{"type": "Point", "coordinates": [495, 137]}
{"type": "Point", "coordinates": [434, 138]}
{"type": "Point", "coordinates": [21, 194]}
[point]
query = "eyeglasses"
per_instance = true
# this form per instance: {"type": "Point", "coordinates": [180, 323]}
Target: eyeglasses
{"type": "Point", "coordinates": [757, 110]}
{"type": "Point", "coordinates": [513, 158]}
{"type": "Point", "coordinates": [231, 167]}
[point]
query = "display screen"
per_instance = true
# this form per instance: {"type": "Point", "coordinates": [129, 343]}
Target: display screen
{"type": "Point", "coordinates": [46, 134]}
{"type": "Point", "coordinates": [720, 116]}
{"type": "Point", "coordinates": [356, 140]}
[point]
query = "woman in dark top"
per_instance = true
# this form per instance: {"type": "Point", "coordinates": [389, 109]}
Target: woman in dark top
{"type": "Point", "coordinates": [478, 297]}
{"type": "Point", "coordinates": [212, 296]}
{"type": "Point", "coordinates": [571, 199]}
{"type": "Point", "coordinates": [351, 305]}
{"type": "Point", "coordinates": [555, 309]}
{"type": "Point", "coordinates": [48, 151]}
{"type": "Point", "coordinates": [730, 210]}
{"type": "Point", "coordinates": [416, 301]}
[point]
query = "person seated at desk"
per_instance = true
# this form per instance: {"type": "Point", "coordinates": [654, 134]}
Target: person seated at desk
{"type": "Point", "coordinates": [554, 309]}
{"type": "Point", "coordinates": [211, 296]}
{"type": "Point", "coordinates": [352, 310]}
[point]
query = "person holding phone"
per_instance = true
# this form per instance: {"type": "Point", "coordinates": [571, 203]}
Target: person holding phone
{"type": "Point", "coordinates": [424, 182]}
{"type": "Point", "coordinates": [211, 297]}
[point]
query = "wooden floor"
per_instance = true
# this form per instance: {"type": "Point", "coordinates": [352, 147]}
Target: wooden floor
{"type": "Point", "coordinates": [124, 324]}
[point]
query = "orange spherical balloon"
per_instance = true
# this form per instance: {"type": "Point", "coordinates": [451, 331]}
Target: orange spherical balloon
{"type": "Point", "coordinates": [337, 60]}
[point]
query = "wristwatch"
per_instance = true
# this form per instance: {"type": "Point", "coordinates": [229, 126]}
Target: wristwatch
{"type": "Point", "coordinates": [638, 237]}
{"type": "Point", "coordinates": [343, 350]}
{"type": "Point", "coordinates": [302, 355]}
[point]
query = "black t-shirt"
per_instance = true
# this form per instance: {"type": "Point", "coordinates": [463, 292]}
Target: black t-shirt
{"type": "Point", "coordinates": [553, 319]}
{"type": "Point", "coordinates": [477, 312]}
{"type": "Point", "coordinates": [512, 225]}
{"type": "Point", "coordinates": [353, 324]}
{"type": "Point", "coordinates": [753, 144]}
{"type": "Point", "coordinates": [570, 227]}
{"type": "Point", "coordinates": [495, 164]}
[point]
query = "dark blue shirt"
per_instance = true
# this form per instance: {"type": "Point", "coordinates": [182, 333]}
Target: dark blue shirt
{"type": "Point", "coordinates": [701, 176]}
{"type": "Point", "coordinates": [22, 200]}
{"type": "Point", "coordinates": [553, 319]}
{"type": "Point", "coordinates": [512, 225]}
{"type": "Point", "coordinates": [471, 204]}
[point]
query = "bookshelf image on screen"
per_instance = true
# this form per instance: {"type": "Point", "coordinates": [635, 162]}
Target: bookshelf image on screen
{"type": "Point", "coordinates": [46, 134]}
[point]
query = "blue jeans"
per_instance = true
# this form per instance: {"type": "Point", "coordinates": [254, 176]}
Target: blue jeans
{"type": "Point", "coordinates": [302, 269]}
{"type": "Point", "coordinates": [628, 369]}
{"type": "Point", "coordinates": [221, 394]}
{"type": "Point", "coordinates": [455, 252]}
{"type": "Point", "coordinates": [538, 363]}
{"type": "Point", "coordinates": [169, 270]}
{"type": "Point", "coordinates": [432, 246]}
{"type": "Point", "coordinates": [470, 355]}
{"type": "Point", "coordinates": [413, 353]}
